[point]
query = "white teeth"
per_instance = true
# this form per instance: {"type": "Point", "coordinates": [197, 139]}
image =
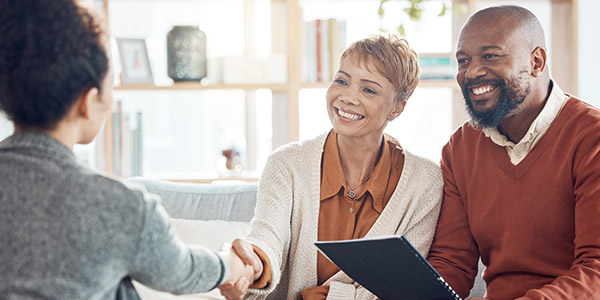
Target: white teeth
{"type": "Point", "coordinates": [349, 115]}
{"type": "Point", "coordinates": [481, 90]}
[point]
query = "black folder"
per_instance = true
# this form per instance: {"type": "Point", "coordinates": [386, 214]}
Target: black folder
{"type": "Point", "coordinates": [389, 267]}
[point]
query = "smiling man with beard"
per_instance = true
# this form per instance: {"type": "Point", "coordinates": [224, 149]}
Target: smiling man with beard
{"type": "Point", "coordinates": [522, 178]}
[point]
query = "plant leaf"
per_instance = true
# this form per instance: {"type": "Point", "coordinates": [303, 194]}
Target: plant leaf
{"type": "Point", "coordinates": [414, 13]}
{"type": "Point", "coordinates": [400, 30]}
{"type": "Point", "coordinates": [444, 8]}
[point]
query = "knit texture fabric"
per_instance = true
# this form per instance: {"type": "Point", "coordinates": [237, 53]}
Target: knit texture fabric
{"type": "Point", "coordinates": [286, 218]}
{"type": "Point", "coordinates": [536, 224]}
{"type": "Point", "coordinates": [67, 232]}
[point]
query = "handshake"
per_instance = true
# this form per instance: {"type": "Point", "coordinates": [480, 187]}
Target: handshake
{"type": "Point", "coordinates": [245, 268]}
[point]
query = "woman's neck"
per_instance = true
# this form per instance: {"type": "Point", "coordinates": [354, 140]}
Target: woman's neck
{"type": "Point", "coordinates": [358, 157]}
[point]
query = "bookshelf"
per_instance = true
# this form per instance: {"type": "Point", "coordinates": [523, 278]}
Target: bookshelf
{"type": "Point", "coordinates": [287, 18]}
{"type": "Point", "coordinates": [562, 34]}
{"type": "Point", "coordinates": [198, 86]}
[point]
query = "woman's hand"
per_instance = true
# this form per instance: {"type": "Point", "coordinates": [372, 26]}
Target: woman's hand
{"type": "Point", "coordinates": [246, 267]}
{"type": "Point", "coordinates": [245, 251]}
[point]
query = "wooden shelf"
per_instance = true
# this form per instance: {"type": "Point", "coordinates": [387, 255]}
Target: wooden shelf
{"type": "Point", "coordinates": [423, 83]}
{"type": "Point", "coordinates": [186, 86]}
{"type": "Point", "coordinates": [438, 83]}
{"type": "Point", "coordinates": [315, 85]}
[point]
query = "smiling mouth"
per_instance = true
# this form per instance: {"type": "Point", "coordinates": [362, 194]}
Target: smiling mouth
{"type": "Point", "coordinates": [482, 90]}
{"type": "Point", "coordinates": [349, 116]}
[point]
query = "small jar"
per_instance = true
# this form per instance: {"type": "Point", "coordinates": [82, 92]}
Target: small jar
{"type": "Point", "coordinates": [186, 53]}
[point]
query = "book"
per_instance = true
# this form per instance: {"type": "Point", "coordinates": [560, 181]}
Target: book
{"type": "Point", "coordinates": [437, 66]}
{"type": "Point", "coordinates": [116, 123]}
{"type": "Point", "coordinates": [337, 44]}
{"type": "Point", "coordinates": [323, 41]}
{"type": "Point", "coordinates": [319, 52]}
{"type": "Point", "coordinates": [389, 267]}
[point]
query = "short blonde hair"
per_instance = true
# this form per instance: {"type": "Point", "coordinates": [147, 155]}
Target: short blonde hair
{"type": "Point", "coordinates": [392, 57]}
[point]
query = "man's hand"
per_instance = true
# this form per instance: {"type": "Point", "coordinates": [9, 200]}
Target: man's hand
{"type": "Point", "coordinates": [245, 268]}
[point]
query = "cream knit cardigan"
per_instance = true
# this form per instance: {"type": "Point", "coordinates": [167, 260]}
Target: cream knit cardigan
{"type": "Point", "coordinates": [287, 213]}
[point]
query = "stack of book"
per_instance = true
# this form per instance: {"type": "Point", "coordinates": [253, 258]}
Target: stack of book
{"type": "Point", "coordinates": [322, 43]}
{"type": "Point", "coordinates": [437, 66]}
{"type": "Point", "coordinates": [119, 144]}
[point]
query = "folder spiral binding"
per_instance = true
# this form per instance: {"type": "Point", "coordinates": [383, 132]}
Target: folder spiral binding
{"type": "Point", "coordinates": [389, 267]}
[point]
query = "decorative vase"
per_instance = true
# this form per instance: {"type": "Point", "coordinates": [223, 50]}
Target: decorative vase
{"type": "Point", "coordinates": [186, 53]}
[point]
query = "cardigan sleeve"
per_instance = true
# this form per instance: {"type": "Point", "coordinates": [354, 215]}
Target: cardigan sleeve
{"type": "Point", "coordinates": [582, 281]}
{"type": "Point", "coordinates": [454, 253]}
{"type": "Point", "coordinates": [343, 291]}
{"type": "Point", "coordinates": [270, 227]}
{"type": "Point", "coordinates": [423, 222]}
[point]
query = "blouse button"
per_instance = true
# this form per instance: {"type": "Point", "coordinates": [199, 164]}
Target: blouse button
{"type": "Point", "coordinates": [351, 209]}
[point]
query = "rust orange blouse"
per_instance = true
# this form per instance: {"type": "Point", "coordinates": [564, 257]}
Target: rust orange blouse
{"type": "Point", "coordinates": [343, 218]}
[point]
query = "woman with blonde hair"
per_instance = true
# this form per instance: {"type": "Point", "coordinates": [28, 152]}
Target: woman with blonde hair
{"type": "Point", "coordinates": [350, 183]}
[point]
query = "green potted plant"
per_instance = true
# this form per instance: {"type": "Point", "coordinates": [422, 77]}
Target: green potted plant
{"type": "Point", "coordinates": [414, 11]}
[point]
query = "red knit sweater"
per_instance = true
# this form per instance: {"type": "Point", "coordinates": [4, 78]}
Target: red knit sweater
{"type": "Point", "coordinates": [536, 225]}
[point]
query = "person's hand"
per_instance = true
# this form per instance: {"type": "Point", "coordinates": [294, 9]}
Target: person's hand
{"type": "Point", "coordinates": [243, 270]}
{"type": "Point", "coordinates": [241, 276]}
{"type": "Point", "coordinates": [245, 251]}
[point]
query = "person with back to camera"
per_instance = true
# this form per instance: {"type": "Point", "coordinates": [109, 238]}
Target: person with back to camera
{"type": "Point", "coordinates": [67, 232]}
{"type": "Point", "coordinates": [522, 179]}
{"type": "Point", "coordinates": [350, 183]}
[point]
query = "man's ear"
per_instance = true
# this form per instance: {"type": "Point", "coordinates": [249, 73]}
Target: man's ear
{"type": "Point", "coordinates": [398, 109]}
{"type": "Point", "coordinates": [538, 61]}
{"type": "Point", "coordinates": [85, 103]}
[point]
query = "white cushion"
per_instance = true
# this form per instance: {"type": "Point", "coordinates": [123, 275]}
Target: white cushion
{"type": "Point", "coordinates": [211, 234]}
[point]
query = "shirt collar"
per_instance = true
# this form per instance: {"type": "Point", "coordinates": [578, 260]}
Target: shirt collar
{"type": "Point", "coordinates": [333, 178]}
{"type": "Point", "coordinates": [542, 122]}
{"type": "Point", "coordinates": [332, 173]}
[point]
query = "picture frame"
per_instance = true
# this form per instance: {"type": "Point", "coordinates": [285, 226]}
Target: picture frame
{"type": "Point", "coordinates": [135, 65]}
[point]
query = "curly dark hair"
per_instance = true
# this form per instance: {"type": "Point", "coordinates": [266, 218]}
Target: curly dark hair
{"type": "Point", "coordinates": [51, 52]}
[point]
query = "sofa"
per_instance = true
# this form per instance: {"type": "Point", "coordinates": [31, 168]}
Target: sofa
{"type": "Point", "coordinates": [211, 215]}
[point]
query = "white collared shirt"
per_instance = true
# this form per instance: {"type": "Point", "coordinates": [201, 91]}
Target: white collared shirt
{"type": "Point", "coordinates": [539, 126]}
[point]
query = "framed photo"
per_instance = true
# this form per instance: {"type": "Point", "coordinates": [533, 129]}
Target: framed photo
{"type": "Point", "coordinates": [135, 65]}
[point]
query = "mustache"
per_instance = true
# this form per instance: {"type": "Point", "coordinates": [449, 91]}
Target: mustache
{"type": "Point", "coordinates": [478, 82]}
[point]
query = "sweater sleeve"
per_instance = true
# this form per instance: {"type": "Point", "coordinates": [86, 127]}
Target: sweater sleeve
{"type": "Point", "coordinates": [454, 253]}
{"type": "Point", "coordinates": [582, 281]}
{"type": "Point", "coordinates": [165, 263]}
{"type": "Point", "coordinates": [343, 290]}
{"type": "Point", "coordinates": [270, 227]}
{"type": "Point", "coordinates": [425, 218]}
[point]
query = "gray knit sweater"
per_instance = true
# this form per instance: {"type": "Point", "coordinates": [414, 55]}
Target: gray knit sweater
{"type": "Point", "coordinates": [67, 232]}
